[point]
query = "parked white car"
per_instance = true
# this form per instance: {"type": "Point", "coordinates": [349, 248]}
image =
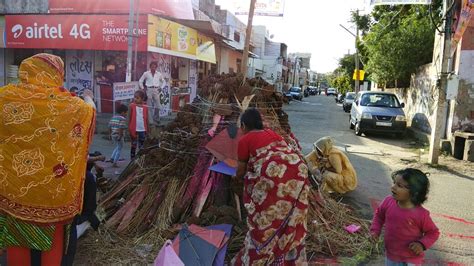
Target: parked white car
{"type": "Point", "coordinates": [331, 91]}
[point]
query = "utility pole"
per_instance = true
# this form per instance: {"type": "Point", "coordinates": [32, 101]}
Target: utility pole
{"type": "Point", "coordinates": [357, 56]}
{"type": "Point", "coordinates": [294, 74]}
{"type": "Point", "coordinates": [248, 35]}
{"type": "Point", "coordinates": [440, 118]}
{"type": "Point", "coordinates": [128, 75]}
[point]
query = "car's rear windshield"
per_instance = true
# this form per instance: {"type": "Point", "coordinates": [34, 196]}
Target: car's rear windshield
{"type": "Point", "coordinates": [350, 96]}
{"type": "Point", "coordinates": [295, 89]}
{"type": "Point", "coordinates": [379, 100]}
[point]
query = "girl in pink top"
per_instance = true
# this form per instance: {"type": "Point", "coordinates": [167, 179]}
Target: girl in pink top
{"type": "Point", "coordinates": [409, 230]}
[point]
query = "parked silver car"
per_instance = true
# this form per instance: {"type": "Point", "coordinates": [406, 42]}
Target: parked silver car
{"type": "Point", "coordinates": [381, 112]}
{"type": "Point", "coordinates": [297, 93]}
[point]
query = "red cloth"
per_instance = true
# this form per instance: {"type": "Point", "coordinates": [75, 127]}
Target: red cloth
{"type": "Point", "coordinates": [402, 227]}
{"type": "Point", "coordinates": [254, 140]}
{"type": "Point", "coordinates": [22, 256]}
{"type": "Point", "coordinates": [133, 119]}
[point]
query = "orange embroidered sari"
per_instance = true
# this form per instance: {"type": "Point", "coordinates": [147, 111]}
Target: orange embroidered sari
{"type": "Point", "coordinates": [44, 140]}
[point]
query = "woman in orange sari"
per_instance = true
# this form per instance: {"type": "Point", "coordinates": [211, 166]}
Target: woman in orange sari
{"type": "Point", "coordinates": [44, 140]}
{"type": "Point", "coordinates": [275, 196]}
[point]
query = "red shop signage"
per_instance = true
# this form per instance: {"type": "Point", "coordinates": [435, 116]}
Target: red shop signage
{"type": "Point", "coordinates": [182, 9]}
{"type": "Point", "coordinates": [73, 32]}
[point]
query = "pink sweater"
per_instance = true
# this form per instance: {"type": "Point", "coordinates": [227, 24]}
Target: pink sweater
{"type": "Point", "coordinates": [403, 226]}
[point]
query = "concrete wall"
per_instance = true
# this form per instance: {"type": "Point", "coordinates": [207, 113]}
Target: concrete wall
{"type": "Point", "coordinates": [272, 49]}
{"type": "Point", "coordinates": [258, 39]}
{"type": "Point", "coordinates": [224, 60]}
{"type": "Point", "coordinates": [228, 60]}
{"type": "Point", "coordinates": [23, 6]}
{"type": "Point", "coordinates": [419, 99]}
{"type": "Point", "coordinates": [463, 115]}
{"type": "Point", "coordinates": [233, 56]}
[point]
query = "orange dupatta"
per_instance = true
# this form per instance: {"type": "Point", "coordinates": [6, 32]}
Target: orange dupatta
{"type": "Point", "coordinates": [44, 140]}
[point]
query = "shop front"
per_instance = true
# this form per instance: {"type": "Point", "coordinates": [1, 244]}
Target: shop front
{"type": "Point", "coordinates": [174, 46]}
{"type": "Point", "coordinates": [93, 48]}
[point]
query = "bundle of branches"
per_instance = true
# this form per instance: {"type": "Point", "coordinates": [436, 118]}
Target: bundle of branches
{"type": "Point", "coordinates": [151, 185]}
{"type": "Point", "coordinates": [327, 236]}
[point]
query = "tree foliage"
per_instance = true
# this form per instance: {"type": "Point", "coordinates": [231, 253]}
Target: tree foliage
{"type": "Point", "coordinates": [342, 76]}
{"type": "Point", "coordinates": [342, 82]}
{"type": "Point", "coordinates": [396, 40]}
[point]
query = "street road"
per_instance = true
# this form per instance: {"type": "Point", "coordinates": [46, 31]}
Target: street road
{"type": "Point", "coordinates": [375, 157]}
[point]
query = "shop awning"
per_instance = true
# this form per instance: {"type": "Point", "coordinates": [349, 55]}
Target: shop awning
{"type": "Point", "coordinates": [203, 26]}
{"type": "Point", "coordinates": [208, 34]}
{"type": "Point", "coordinates": [239, 48]}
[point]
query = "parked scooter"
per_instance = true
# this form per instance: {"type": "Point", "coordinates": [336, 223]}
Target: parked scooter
{"type": "Point", "coordinates": [340, 98]}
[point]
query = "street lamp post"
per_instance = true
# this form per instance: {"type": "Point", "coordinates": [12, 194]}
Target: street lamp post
{"type": "Point", "coordinates": [356, 35]}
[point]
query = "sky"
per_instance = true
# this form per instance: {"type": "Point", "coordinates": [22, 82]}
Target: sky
{"type": "Point", "coordinates": [312, 26]}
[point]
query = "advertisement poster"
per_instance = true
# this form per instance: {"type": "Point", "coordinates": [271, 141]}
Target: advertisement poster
{"type": "Point", "coordinates": [2, 32]}
{"type": "Point", "coordinates": [206, 50]}
{"type": "Point", "coordinates": [171, 38]}
{"type": "Point", "coordinates": [181, 9]}
{"type": "Point", "coordinates": [164, 67]}
{"type": "Point", "coordinates": [193, 77]}
{"type": "Point", "coordinates": [399, 2]}
{"type": "Point", "coordinates": [73, 32]}
{"type": "Point", "coordinates": [272, 8]}
{"type": "Point", "coordinates": [79, 70]}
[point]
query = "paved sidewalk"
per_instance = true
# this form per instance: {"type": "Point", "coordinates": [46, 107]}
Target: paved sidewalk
{"type": "Point", "coordinates": [101, 144]}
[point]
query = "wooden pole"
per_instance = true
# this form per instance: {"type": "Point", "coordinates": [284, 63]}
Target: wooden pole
{"type": "Point", "coordinates": [248, 35]}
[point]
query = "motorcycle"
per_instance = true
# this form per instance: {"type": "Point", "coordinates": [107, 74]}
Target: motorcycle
{"type": "Point", "coordinates": [340, 98]}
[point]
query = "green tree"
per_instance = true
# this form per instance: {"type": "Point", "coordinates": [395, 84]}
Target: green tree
{"type": "Point", "coordinates": [342, 83]}
{"type": "Point", "coordinates": [400, 39]}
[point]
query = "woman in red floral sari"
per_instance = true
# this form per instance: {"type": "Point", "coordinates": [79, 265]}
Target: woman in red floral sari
{"type": "Point", "coordinates": [275, 196]}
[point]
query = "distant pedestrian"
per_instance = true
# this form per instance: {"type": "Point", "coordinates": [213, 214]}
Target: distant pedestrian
{"type": "Point", "coordinates": [138, 122]}
{"type": "Point", "coordinates": [409, 230]}
{"type": "Point", "coordinates": [151, 82]}
{"type": "Point", "coordinates": [117, 126]}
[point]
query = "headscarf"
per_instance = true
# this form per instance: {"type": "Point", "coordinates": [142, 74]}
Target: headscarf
{"type": "Point", "coordinates": [324, 145]}
{"type": "Point", "coordinates": [44, 143]}
{"type": "Point", "coordinates": [42, 70]}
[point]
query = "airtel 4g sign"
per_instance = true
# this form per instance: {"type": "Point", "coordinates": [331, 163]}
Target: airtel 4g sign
{"type": "Point", "coordinates": [50, 31]}
{"type": "Point", "coordinates": [78, 32]}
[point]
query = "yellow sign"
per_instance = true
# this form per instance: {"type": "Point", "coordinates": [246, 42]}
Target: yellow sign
{"type": "Point", "coordinates": [361, 75]}
{"type": "Point", "coordinates": [168, 37]}
{"type": "Point", "coordinates": [206, 50]}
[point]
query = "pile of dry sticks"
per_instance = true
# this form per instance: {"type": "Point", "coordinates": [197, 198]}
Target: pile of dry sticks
{"type": "Point", "coordinates": [169, 183]}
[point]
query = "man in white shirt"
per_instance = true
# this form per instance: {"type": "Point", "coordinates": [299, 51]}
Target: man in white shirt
{"type": "Point", "coordinates": [152, 81]}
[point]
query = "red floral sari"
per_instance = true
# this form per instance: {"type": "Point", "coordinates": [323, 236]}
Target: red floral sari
{"type": "Point", "coordinates": [276, 199]}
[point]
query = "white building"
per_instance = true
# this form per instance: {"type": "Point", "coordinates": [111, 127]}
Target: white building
{"type": "Point", "coordinates": [270, 55]}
